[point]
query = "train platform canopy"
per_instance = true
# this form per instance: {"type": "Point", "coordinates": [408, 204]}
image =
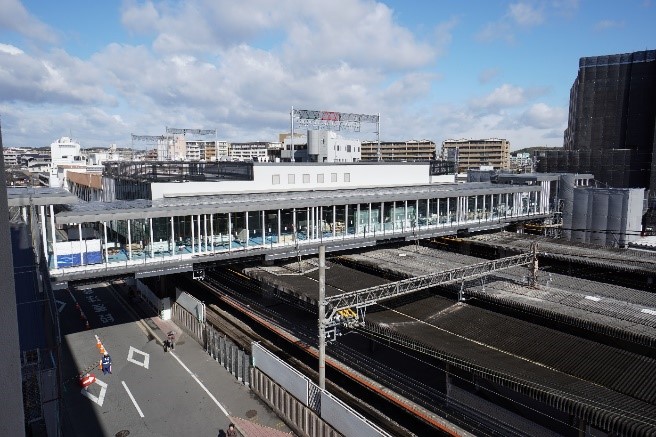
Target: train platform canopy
{"type": "Point", "coordinates": [556, 365]}
{"type": "Point", "coordinates": [258, 201]}
{"type": "Point", "coordinates": [646, 243]}
{"type": "Point", "coordinates": [26, 196]}
{"type": "Point", "coordinates": [523, 178]}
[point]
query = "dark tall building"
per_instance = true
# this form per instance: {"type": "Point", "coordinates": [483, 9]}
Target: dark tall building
{"type": "Point", "coordinates": [12, 413]}
{"type": "Point", "coordinates": [612, 119]}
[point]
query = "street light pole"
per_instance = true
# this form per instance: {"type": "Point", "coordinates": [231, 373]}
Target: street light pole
{"type": "Point", "coordinates": [322, 317]}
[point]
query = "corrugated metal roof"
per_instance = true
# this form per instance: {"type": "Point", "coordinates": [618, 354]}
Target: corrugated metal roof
{"type": "Point", "coordinates": [222, 203]}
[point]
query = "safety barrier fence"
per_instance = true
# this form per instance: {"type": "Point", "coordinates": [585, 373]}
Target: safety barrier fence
{"type": "Point", "coordinates": [188, 322]}
{"type": "Point", "coordinates": [292, 395]}
{"type": "Point", "coordinates": [299, 417]}
{"type": "Point", "coordinates": [224, 351]}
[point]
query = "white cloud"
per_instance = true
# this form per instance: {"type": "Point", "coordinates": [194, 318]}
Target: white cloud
{"type": "Point", "coordinates": [209, 65]}
{"type": "Point", "coordinates": [10, 50]}
{"type": "Point", "coordinates": [503, 96]}
{"type": "Point", "coordinates": [608, 24]}
{"type": "Point", "coordinates": [15, 17]}
{"type": "Point", "coordinates": [543, 116]}
{"type": "Point", "coordinates": [525, 14]}
{"type": "Point", "coordinates": [498, 30]}
{"type": "Point", "coordinates": [487, 75]}
{"type": "Point", "coordinates": [56, 78]}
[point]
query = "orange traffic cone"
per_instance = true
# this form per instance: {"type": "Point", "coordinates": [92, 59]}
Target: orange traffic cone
{"type": "Point", "coordinates": [86, 325]}
{"type": "Point", "coordinates": [102, 349]}
{"type": "Point", "coordinates": [98, 343]}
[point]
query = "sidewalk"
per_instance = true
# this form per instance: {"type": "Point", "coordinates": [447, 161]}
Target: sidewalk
{"type": "Point", "coordinates": [237, 399]}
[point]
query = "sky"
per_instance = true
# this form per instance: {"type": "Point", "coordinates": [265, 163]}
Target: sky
{"type": "Point", "coordinates": [101, 71]}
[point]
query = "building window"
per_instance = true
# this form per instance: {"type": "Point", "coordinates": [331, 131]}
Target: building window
{"type": "Point", "coordinates": [347, 177]}
{"type": "Point", "coordinates": [275, 179]}
{"type": "Point", "coordinates": [348, 148]}
{"type": "Point", "coordinates": [306, 178]}
{"type": "Point", "coordinates": [320, 178]}
{"type": "Point", "coordinates": [333, 177]}
{"type": "Point", "coordinates": [291, 179]}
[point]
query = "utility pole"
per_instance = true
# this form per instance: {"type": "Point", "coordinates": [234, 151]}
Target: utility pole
{"type": "Point", "coordinates": [322, 317]}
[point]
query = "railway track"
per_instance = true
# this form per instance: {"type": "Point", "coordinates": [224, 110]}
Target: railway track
{"type": "Point", "coordinates": [300, 329]}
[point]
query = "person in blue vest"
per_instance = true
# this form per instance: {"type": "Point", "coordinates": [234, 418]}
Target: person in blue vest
{"type": "Point", "coordinates": [106, 364]}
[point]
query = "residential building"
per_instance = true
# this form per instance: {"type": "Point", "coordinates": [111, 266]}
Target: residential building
{"type": "Point", "coordinates": [521, 162]}
{"type": "Point", "coordinates": [472, 154]}
{"type": "Point", "coordinates": [411, 150]}
{"type": "Point", "coordinates": [253, 151]}
{"type": "Point", "coordinates": [64, 152]}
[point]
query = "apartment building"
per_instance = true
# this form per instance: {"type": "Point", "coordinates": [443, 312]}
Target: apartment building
{"type": "Point", "coordinates": [491, 152]}
{"type": "Point", "coordinates": [411, 150]}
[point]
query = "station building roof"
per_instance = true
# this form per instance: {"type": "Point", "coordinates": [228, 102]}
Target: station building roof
{"type": "Point", "coordinates": [258, 201]}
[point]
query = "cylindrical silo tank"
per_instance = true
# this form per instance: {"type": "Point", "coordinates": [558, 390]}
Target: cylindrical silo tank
{"type": "Point", "coordinates": [599, 218]}
{"type": "Point", "coordinates": [615, 213]}
{"type": "Point", "coordinates": [313, 142]}
{"type": "Point", "coordinates": [566, 196]}
{"type": "Point", "coordinates": [579, 215]}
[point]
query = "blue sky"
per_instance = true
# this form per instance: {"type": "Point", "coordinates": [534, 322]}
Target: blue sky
{"type": "Point", "coordinates": [433, 69]}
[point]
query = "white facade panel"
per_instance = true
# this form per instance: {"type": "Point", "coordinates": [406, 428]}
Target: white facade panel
{"type": "Point", "coordinates": [290, 177]}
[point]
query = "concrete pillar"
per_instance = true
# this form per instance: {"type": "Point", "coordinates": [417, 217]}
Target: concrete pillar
{"type": "Point", "coordinates": [193, 234]}
{"type": "Point", "coordinates": [150, 226]}
{"type": "Point", "coordinates": [44, 234]}
{"type": "Point", "coordinates": [357, 219]}
{"type": "Point", "coordinates": [369, 221]}
{"type": "Point", "coordinates": [172, 237]}
{"type": "Point", "coordinates": [263, 229]}
{"type": "Point", "coordinates": [248, 234]}
{"type": "Point", "coordinates": [79, 236]}
{"type": "Point", "coordinates": [334, 220]}
{"type": "Point", "coordinates": [105, 241]}
{"type": "Point", "coordinates": [212, 231]}
{"type": "Point", "coordinates": [229, 231]}
{"type": "Point", "coordinates": [200, 236]}
{"type": "Point", "coordinates": [129, 240]}
{"type": "Point", "coordinates": [279, 223]}
{"type": "Point", "coordinates": [53, 232]}
{"type": "Point", "coordinates": [205, 231]}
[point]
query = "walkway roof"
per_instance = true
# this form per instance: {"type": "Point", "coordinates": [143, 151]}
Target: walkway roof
{"type": "Point", "coordinates": [258, 201]}
{"type": "Point", "coordinates": [26, 196]}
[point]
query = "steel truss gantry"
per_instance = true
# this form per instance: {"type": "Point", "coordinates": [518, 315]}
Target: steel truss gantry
{"type": "Point", "coordinates": [339, 307]}
{"type": "Point", "coordinates": [330, 120]}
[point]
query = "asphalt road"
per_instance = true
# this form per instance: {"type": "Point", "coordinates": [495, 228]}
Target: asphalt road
{"type": "Point", "coordinates": [149, 393]}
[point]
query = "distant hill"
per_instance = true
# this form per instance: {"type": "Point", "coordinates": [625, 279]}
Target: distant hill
{"type": "Point", "coordinates": [531, 150]}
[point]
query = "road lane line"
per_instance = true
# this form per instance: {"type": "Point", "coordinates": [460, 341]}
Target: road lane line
{"type": "Point", "coordinates": [201, 384]}
{"type": "Point", "coordinates": [132, 397]}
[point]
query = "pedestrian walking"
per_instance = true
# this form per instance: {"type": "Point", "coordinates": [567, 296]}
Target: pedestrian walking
{"type": "Point", "coordinates": [232, 432]}
{"type": "Point", "coordinates": [106, 363]}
